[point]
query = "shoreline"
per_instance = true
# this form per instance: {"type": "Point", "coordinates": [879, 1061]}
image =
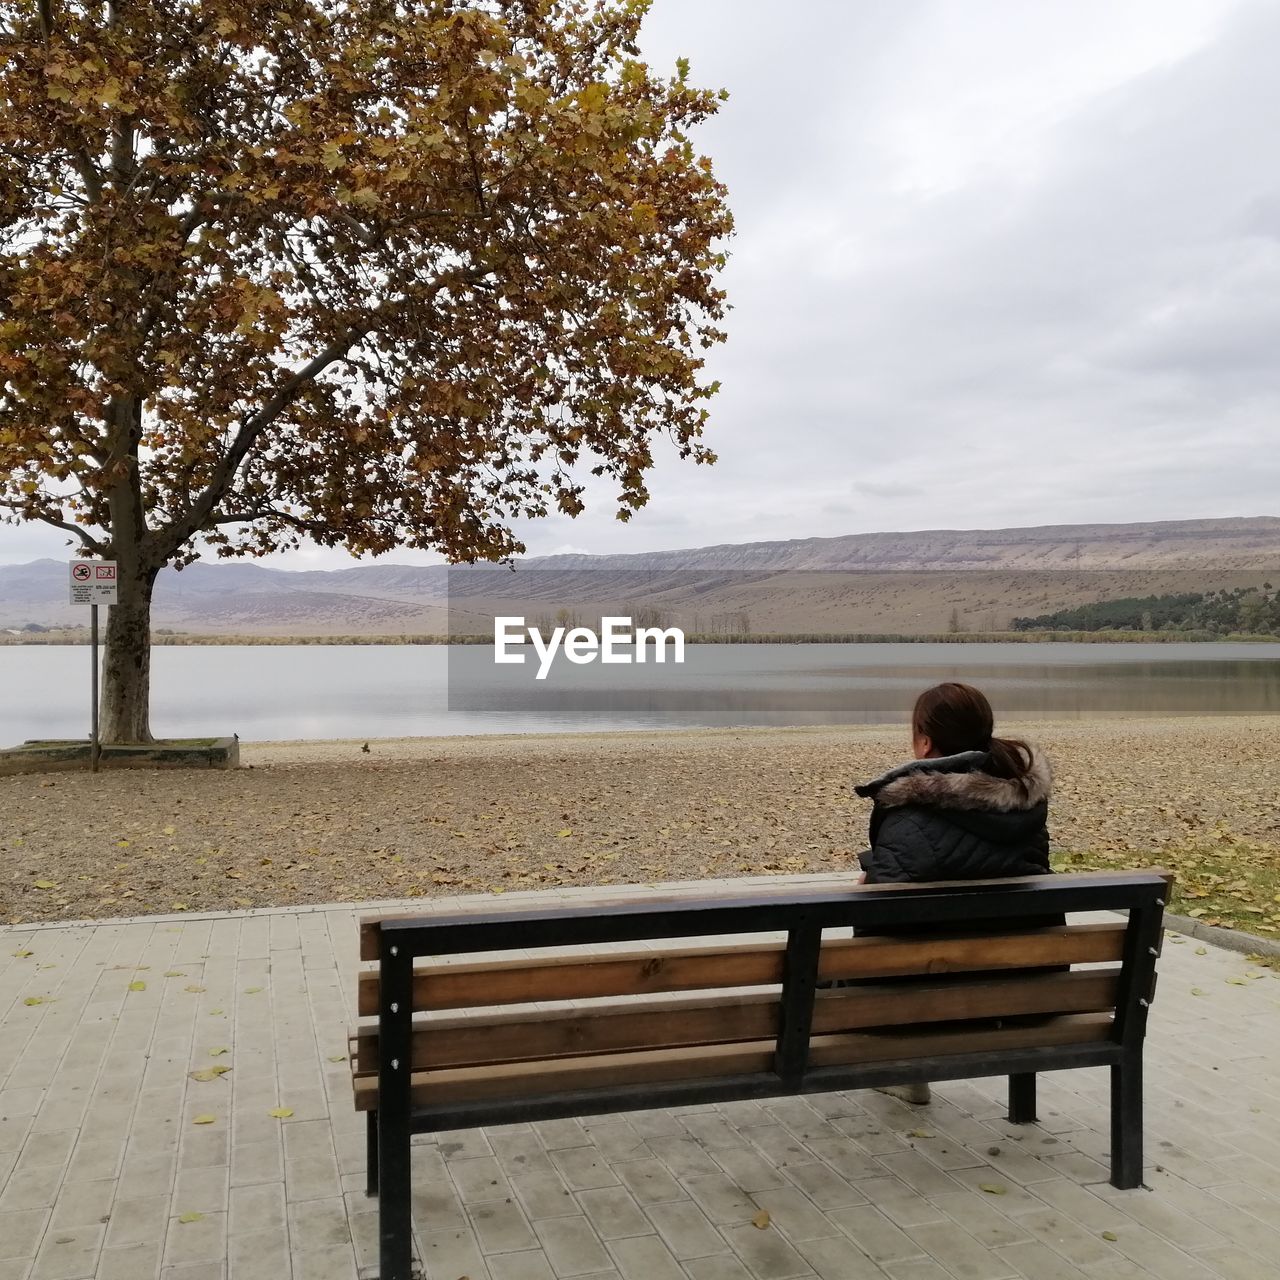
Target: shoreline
{"type": "Point", "coordinates": [266, 752]}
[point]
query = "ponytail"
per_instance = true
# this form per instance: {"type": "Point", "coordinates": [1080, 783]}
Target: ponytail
{"type": "Point", "coordinates": [1010, 758]}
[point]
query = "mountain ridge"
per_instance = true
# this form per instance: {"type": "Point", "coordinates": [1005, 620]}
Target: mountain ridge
{"type": "Point", "coordinates": [393, 598]}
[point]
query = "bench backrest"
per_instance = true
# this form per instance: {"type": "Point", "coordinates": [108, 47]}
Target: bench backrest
{"type": "Point", "coordinates": [963, 981]}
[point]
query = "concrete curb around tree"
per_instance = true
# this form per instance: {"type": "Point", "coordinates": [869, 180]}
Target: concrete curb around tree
{"type": "Point", "coordinates": [38, 755]}
{"type": "Point", "coordinates": [1228, 939]}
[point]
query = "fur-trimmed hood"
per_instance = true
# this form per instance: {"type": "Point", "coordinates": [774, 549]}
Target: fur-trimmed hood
{"type": "Point", "coordinates": [961, 782]}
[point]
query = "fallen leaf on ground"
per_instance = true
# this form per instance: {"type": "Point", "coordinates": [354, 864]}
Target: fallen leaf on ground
{"type": "Point", "coordinates": [1110, 1235]}
{"type": "Point", "coordinates": [252, 991]}
{"type": "Point", "coordinates": [45, 884]}
{"type": "Point", "coordinates": [761, 1219]}
{"type": "Point", "coordinates": [218, 1052]}
{"type": "Point", "coordinates": [919, 1133]}
{"type": "Point", "coordinates": [194, 989]}
{"type": "Point", "coordinates": [337, 1057]}
{"type": "Point", "coordinates": [204, 1120]}
{"type": "Point", "coordinates": [137, 986]}
{"type": "Point", "coordinates": [31, 1000]}
{"type": "Point", "coordinates": [22, 955]}
{"type": "Point", "coordinates": [208, 1073]}
{"type": "Point", "coordinates": [280, 1113]}
{"type": "Point", "coordinates": [1202, 951]}
{"type": "Point", "coordinates": [191, 1216]}
{"type": "Point", "coordinates": [173, 973]}
{"type": "Point", "coordinates": [713, 834]}
{"type": "Point", "coordinates": [1195, 991]}
{"type": "Point", "coordinates": [993, 1188]}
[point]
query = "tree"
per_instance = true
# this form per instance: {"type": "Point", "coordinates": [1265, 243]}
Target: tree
{"type": "Point", "coordinates": [370, 272]}
{"type": "Point", "coordinates": [1253, 613]}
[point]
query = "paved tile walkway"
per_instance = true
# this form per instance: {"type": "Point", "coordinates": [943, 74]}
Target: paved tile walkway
{"type": "Point", "coordinates": [106, 1170]}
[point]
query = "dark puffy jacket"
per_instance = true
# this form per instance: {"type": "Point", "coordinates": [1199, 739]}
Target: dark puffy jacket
{"type": "Point", "coordinates": [947, 819]}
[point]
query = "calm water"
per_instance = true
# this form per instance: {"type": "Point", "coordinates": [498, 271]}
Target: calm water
{"type": "Point", "coordinates": [373, 691]}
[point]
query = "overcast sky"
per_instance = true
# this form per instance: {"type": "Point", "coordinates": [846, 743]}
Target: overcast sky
{"type": "Point", "coordinates": [996, 264]}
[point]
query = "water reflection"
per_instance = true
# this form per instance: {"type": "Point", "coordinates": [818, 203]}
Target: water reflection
{"type": "Point", "coordinates": [387, 691]}
{"type": "Point", "coordinates": [874, 684]}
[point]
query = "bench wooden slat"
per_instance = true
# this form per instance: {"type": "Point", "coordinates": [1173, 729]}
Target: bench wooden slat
{"type": "Point", "coordinates": [512, 1037]}
{"type": "Point", "coordinates": [697, 896]}
{"type": "Point", "coordinates": [574, 977]}
{"type": "Point", "coordinates": [535, 1079]}
{"type": "Point", "coordinates": [603, 899]}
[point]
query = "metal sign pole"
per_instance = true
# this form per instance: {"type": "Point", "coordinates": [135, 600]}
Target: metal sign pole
{"type": "Point", "coordinates": [93, 684]}
{"type": "Point", "coordinates": [93, 582]}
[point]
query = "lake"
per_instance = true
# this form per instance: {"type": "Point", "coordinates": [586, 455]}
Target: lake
{"type": "Point", "coordinates": [372, 691]}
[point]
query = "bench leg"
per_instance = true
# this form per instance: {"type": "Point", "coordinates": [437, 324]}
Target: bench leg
{"type": "Point", "coordinates": [1022, 1098]}
{"type": "Point", "coordinates": [371, 1153]}
{"type": "Point", "coordinates": [395, 1221]}
{"type": "Point", "coordinates": [1126, 1123]}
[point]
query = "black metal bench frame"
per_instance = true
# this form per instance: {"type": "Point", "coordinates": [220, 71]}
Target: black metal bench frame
{"type": "Point", "coordinates": [803, 918]}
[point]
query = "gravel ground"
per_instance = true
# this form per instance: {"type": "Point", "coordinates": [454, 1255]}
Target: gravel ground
{"type": "Point", "coordinates": [328, 822]}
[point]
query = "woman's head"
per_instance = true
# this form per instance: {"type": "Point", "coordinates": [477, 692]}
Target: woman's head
{"type": "Point", "coordinates": [953, 717]}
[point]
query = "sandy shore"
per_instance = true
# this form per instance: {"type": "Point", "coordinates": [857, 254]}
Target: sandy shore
{"type": "Point", "coordinates": [327, 821]}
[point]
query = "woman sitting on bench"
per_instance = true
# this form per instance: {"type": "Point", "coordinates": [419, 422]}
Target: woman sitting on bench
{"type": "Point", "coordinates": [970, 806]}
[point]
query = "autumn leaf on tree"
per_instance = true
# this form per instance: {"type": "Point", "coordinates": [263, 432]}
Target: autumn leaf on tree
{"type": "Point", "coordinates": [370, 275]}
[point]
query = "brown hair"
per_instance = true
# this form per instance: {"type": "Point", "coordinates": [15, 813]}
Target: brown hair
{"type": "Point", "coordinates": [957, 717]}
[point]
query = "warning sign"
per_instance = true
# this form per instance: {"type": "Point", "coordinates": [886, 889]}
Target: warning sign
{"type": "Point", "coordinates": [93, 582]}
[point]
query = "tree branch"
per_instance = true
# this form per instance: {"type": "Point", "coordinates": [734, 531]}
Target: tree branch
{"type": "Point", "coordinates": [89, 541]}
{"type": "Point", "coordinates": [475, 168]}
{"type": "Point", "coordinates": [88, 175]}
{"type": "Point", "coordinates": [79, 158]}
{"type": "Point", "coordinates": [199, 512]}
{"type": "Point", "coordinates": [258, 513]}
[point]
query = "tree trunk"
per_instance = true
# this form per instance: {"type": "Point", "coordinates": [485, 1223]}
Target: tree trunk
{"type": "Point", "coordinates": [126, 676]}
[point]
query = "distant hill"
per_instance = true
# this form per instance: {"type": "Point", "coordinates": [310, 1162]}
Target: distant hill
{"type": "Point", "coordinates": [1244, 543]}
{"type": "Point", "coordinates": [231, 597]}
{"type": "Point", "coordinates": [916, 582]}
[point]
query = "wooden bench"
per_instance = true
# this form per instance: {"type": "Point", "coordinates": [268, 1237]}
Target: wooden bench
{"type": "Point", "coordinates": [485, 1040]}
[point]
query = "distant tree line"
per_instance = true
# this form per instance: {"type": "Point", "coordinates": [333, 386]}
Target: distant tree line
{"type": "Point", "coordinates": [1236, 611]}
